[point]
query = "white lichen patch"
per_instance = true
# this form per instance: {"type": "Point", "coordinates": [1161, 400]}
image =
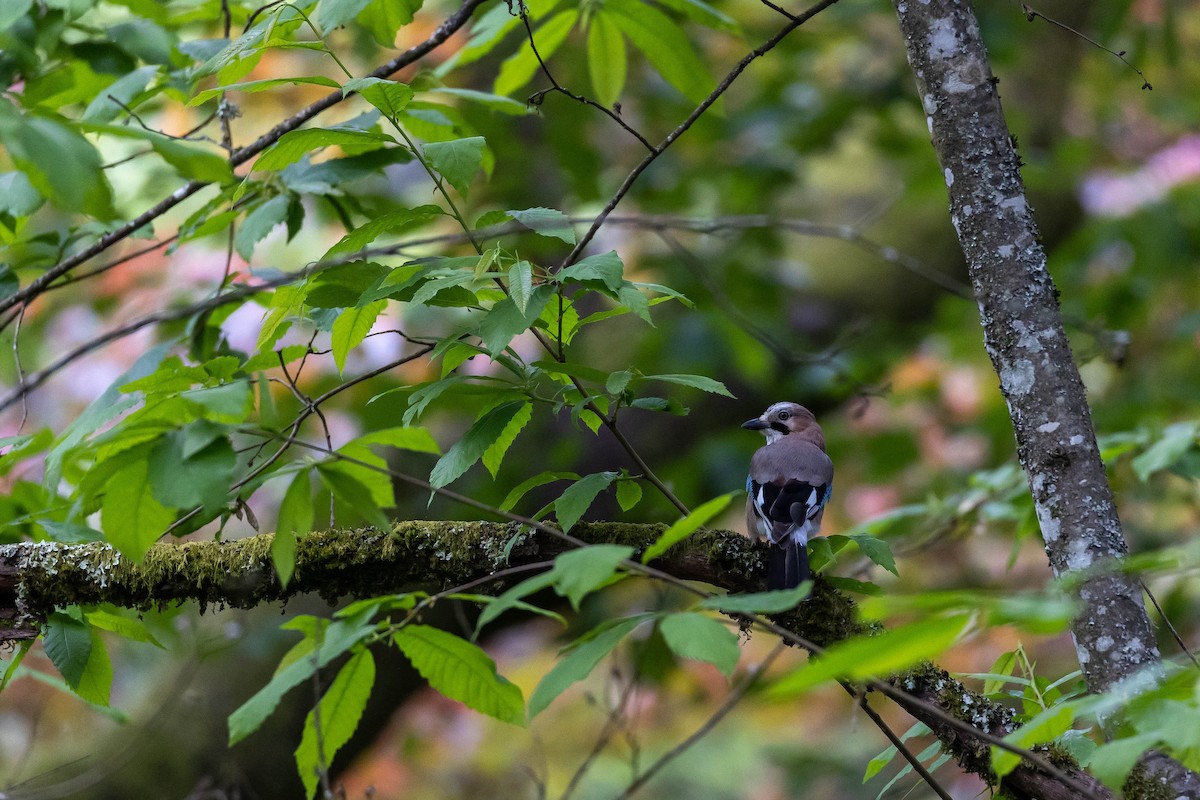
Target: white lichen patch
{"type": "Point", "coordinates": [1017, 378]}
{"type": "Point", "coordinates": [943, 39]}
{"type": "Point", "coordinates": [1077, 439]}
{"type": "Point", "coordinates": [929, 103]}
{"type": "Point", "coordinates": [1004, 251]}
{"type": "Point", "coordinates": [949, 176]}
{"type": "Point", "coordinates": [953, 84]}
{"type": "Point", "coordinates": [1049, 427]}
{"type": "Point", "coordinates": [1104, 644]}
{"type": "Point", "coordinates": [1079, 556]}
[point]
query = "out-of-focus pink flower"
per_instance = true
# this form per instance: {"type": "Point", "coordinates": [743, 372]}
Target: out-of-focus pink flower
{"type": "Point", "coordinates": [1108, 194]}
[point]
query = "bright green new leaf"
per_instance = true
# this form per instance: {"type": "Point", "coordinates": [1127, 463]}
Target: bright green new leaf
{"type": "Point", "coordinates": [416, 439]}
{"type": "Point", "coordinates": [665, 45]}
{"type": "Point", "coordinates": [130, 628]}
{"type": "Point", "coordinates": [332, 13]}
{"type": "Point", "coordinates": [389, 222]}
{"type": "Point", "coordinates": [384, 18]}
{"type": "Point", "coordinates": [494, 102]}
{"type": "Point", "coordinates": [883, 759]}
{"type": "Point", "coordinates": [461, 671]}
{"type": "Point", "coordinates": [512, 598]}
{"type": "Point", "coordinates": [1112, 761]}
{"type": "Point", "coordinates": [258, 224]}
{"type": "Point", "coordinates": [354, 495]}
{"type": "Point", "coordinates": [338, 713]}
{"type": "Point", "coordinates": [1176, 440]}
{"type": "Point", "coordinates": [606, 58]}
{"type": "Point", "coordinates": [390, 97]}
{"type": "Point", "coordinates": [504, 320]}
{"type": "Point", "coordinates": [475, 442]}
{"type": "Point", "coordinates": [546, 221]}
{"type": "Point", "coordinates": [338, 637]}
{"type": "Point", "coordinates": [524, 487]}
{"type": "Point", "coordinates": [772, 602]}
{"type": "Point", "coordinates": [520, 285]}
{"type": "Point", "coordinates": [604, 267]}
{"type": "Point", "coordinates": [573, 502]}
{"type": "Point", "coordinates": [702, 638]}
{"type": "Point", "coordinates": [294, 145]}
{"type": "Point", "coordinates": [1045, 727]}
{"type": "Point", "coordinates": [872, 656]}
{"type": "Point", "coordinates": [578, 573]}
{"type": "Point", "coordinates": [694, 381]}
{"type": "Point", "coordinates": [130, 515]}
{"type": "Point", "coordinates": [879, 551]}
{"type": "Point", "coordinates": [581, 660]}
{"type": "Point", "coordinates": [295, 519]}
{"type": "Point", "coordinates": [262, 86]}
{"type": "Point", "coordinates": [685, 527]}
{"type": "Point", "coordinates": [351, 328]}
{"type": "Point", "coordinates": [629, 494]}
{"type": "Point", "coordinates": [457, 161]}
{"type": "Point", "coordinates": [495, 453]}
{"type": "Point", "coordinates": [519, 68]}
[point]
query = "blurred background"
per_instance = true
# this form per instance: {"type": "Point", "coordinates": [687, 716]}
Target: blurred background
{"type": "Point", "coordinates": [829, 275]}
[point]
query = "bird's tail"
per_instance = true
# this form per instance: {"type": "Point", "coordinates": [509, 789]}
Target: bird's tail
{"type": "Point", "coordinates": [787, 564]}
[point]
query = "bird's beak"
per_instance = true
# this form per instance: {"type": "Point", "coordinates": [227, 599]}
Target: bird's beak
{"type": "Point", "coordinates": [756, 424]}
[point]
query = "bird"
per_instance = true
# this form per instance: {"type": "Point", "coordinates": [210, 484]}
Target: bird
{"type": "Point", "coordinates": [790, 481]}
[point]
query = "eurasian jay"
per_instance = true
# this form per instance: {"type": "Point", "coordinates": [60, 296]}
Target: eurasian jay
{"type": "Point", "coordinates": [791, 479]}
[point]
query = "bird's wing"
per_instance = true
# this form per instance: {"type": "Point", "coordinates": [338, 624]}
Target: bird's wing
{"type": "Point", "coordinates": [790, 482]}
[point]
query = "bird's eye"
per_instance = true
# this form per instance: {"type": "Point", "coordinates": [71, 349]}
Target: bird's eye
{"type": "Point", "coordinates": [785, 414]}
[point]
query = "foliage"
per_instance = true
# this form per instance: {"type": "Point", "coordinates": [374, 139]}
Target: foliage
{"type": "Point", "coordinates": [334, 322]}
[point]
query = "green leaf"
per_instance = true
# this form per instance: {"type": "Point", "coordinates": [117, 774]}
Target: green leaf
{"type": "Point", "coordinates": [18, 198]}
{"type": "Point", "coordinates": [105, 107]}
{"type": "Point", "coordinates": [390, 97]}
{"type": "Point", "coordinates": [872, 656]}
{"type": "Point", "coordinates": [475, 442]}
{"type": "Point", "coordinates": [504, 320]}
{"type": "Point", "coordinates": [295, 519]}
{"type": "Point", "coordinates": [759, 602]}
{"type": "Point", "coordinates": [582, 659]}
{"type": "Point", "coordinates": [685, 527]}
{"type": "Point", "coordinates": [354, 495]}
{"type": "Point", "coordinates": [191, 160]}
{"type": "Point", "coordinates": [879, 551]}
{"type": "Point", "coordinates": [292, 146]}
{"type": "Point", "coordinates": [578, 573]}
{"type": "Point", "coordinates": [1175, 441]}
{"type": "Point", "coordinates": [519, 68]}
{"type": "Point", "coordinates": [694, 381]}
{"type": "Point", "coordinates": [1112, 761]}
{"type": "Point", "coordinates": [665, 45]}
{"type": "Point", "coordinates": [130, 515]}
{"type": "Point", "coordinates": [494, 455]}
{"type": "Point", "coordinates": [384, 18]}
{"type": "Point", "coordinates": [457, 161]}
{"type": "Point", "coordinates": [351, 328]}
{"type": "Point", "coordinates": [512, 598]}
{"type": "Point", "coordinates": [60, 163]}
{"type": "Point", "coordinates": [883, 759]}
{"type": "Point", "coordinates": [332, 13]}
{"type": "Point", "coordinates": [68, 643]}
{"type": "Point", "coordinates": [629, 494]}
{"type": "Point", "coordinates": [546, 221]}
{"type": "Point", "coordinates": [523, 488]}
{"type": "Point", "coordinates": [695, 636]}
{"type": "Point", "coordinates": [495, 102]}
{"type": "Point", "coordinates": [95, 684]}
{"type": "Point", "coordinates": [416, 439]}
{"type": "Point", "coordinates": [389, 222]}
{"type": "Point", "coordinates": [606, 59]}
{"type": "Point", "coordinates": [338, 713]}
{"type": "Point", "coordinates": [604, 267]}
{"type": "Point", "coordinates": [573, 502]}
{"type": "Point", "coordinates": [1045, 727]}
{"type": "Point", "coordinates": [339, 637]}
{"type": "Point", "coordinates": [520, 285]}
{"type": "Point", "coordinates": [262, 86]}
{"type": "Point", "coordinates": [258, 224]}
{"type": "Point", "coordinates": [182, 480]}
{"type": "Point", "coordinates": [12, 11]}
{"type": "Point", "coordinates": [461, 671]}
{"type": "Point", "coordinates": [133, 629]}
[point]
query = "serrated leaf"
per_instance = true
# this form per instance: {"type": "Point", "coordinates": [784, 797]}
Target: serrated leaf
{"type": "Point", "coordinates": [457, 161]}
{"type": "Point", "coordinates": [416, 439]}
{"type": "Point", "coordinates": [130, 515]}
{"type": "Point", "coordinates": [68, 643]}
{"type": "Point", "coordinates": [695, 636]}
{"type": "Point", "coordinates": [385, 19]}
{"type": "Point", "coordinates": [338, 713]}
{"type": "Point", "coordinates": [475, 442]}
{"type": "Point", "coordinates": [772, 602]}
{"type": "Point", "coordinates": [504, 320]}
{"type": "Point", "coordinates": [495, 102]}
{"type": "Point", "coordinates": [685, 527]}
{"type": "Point", "coordinates": [262, 86]}
{"type": "Point", "coordinates": [573, 502]}
{"type": "Point", "coordinates": [390, 222]}
{"type": "Point", "coordinates": [872, 656]}
{"type": "Point", "coordinates": [879, 551]}
{"type": "Point", "coordinates": [578, 573]}
{"type": "Point", "coordinates": [700, 382]}
{"type": "Point", "coordinates": [133, 629]}
{"type": "Point", "coordinates": [606, 59]}
{"type": "Point", "coordinates": [294, 145]}
{"type": "Point", "coordinates": [95, 684]}
{"type": "Point", "coordinates": [295, 519]}
{"type": "Point", "coordinates": [665, 45]}
{"type": "Point", "coordinates": [332, 13]}
{"type": "Point", "coordinates": [1045, 727]}
{"type": "Point", "coordinates": [338, 637]}
{"type": "Point", "coordinates": [351, 328]}
{"type": "Point", "coordinates": [60, 163]}
{"type": "Point", "coordinates": [525, 486]}
{"type": "Point", "coordinates": [520, 285]}
{"type": "Point", "coordinates": [581, 660]}
{"type": "Point", "coordinates": [461, 671]}
{"type": "Point", "coordinates": [495, 453]}
{"type": "Point", "coordinates": [629, 494]}
{"type": "Point", "coordinates": [604, 267]}
{"type": "Point", "coordinates": [258, 224]}
{"type": "Point", "coordinates": [390, 97]}
{"type": "Point", "coordinates": [546, 221]}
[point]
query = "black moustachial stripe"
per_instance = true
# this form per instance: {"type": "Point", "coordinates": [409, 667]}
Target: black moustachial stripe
{"type": "Point", "coordinates": [779, 426]}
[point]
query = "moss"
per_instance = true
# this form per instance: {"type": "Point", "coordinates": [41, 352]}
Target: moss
{"type": "Point", "coordinates": [1141, 785]}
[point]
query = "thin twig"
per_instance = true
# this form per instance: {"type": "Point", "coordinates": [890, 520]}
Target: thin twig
{"type": "Point", "coordinates": [1167, 621]}
{"type": "Point", "coordinates": [861, 701]}
{"type": "Point", "coordinates": [611, 723]}
{"type": "Point", "coordinates": [1031, 14]}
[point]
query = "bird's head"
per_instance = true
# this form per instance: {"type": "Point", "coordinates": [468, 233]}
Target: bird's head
{"type": "Point", "coordinates": [782, 419]}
